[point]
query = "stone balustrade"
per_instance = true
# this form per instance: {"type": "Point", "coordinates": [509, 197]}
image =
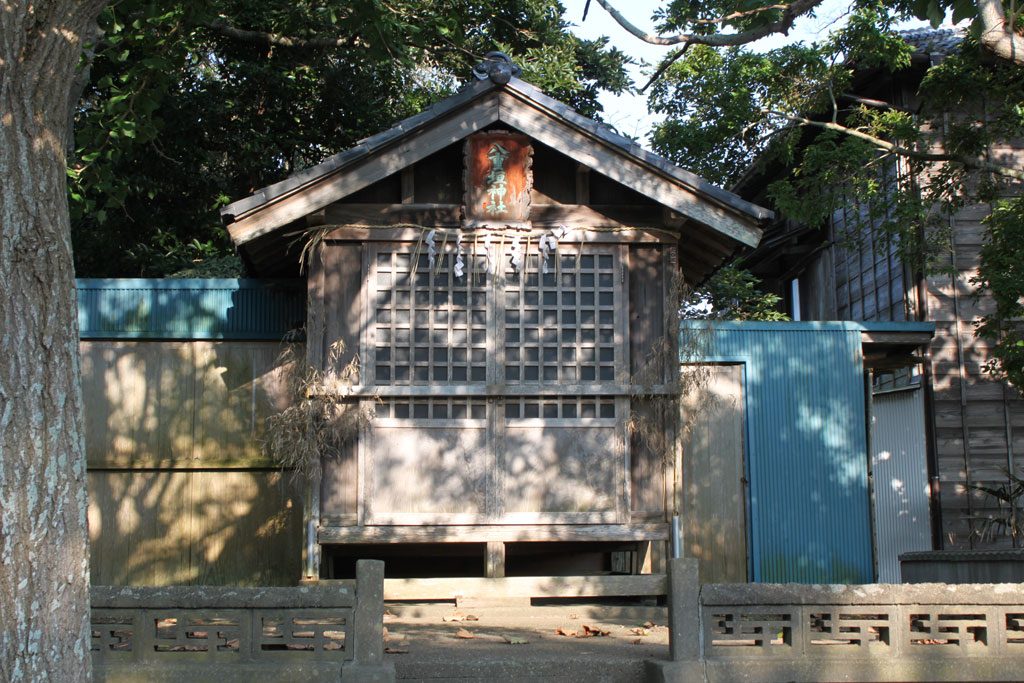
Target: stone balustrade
{"type": "Point", "coordinates": [203, 633]}
{"type": "Point", "coordinates": [875, 632]}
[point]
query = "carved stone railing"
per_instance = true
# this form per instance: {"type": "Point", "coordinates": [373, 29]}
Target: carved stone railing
{"type": "Point", "coordinates": [203, 633]}
{"type": "Point", "coordinates": [930, 632]}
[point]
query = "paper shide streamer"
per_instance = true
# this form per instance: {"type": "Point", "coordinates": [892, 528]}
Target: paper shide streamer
{"type": "Point", "coordinates": [548, 244]}
{"type": "Point", "coordinates": [460, 263]}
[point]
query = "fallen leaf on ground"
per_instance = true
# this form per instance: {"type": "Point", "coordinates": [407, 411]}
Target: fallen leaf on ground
{"type": "Point", "coordinates": [637, 641]}
{"type": "Point", "coordinates": [639, 631]}
{"type": "Point", "coordinates": [562, 632]}
{"type": "Point", "coordinates": [649, 624]}
{"type": "Point", "coordinates": [590, 631]}
{"type": "Point", "coordinates": [515, 640]}
{"type": "Point", "coordinates": [460, 617]}
{"type": "Point", "coordinates": [463, 633]}
{"type": "Point", "coordinates": [574, 616]}
{"type": "Point", "coordinates": [395, 651]}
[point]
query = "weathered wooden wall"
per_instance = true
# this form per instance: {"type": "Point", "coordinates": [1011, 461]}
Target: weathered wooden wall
{"type": "Point", "coordinates": [429, 193]}
{"type": "Point", "coordinates": [979, 421]}
{"type": "Point", "coordinates": [180, 492]}
{"type": "Point", "coordinates": [713, 497]}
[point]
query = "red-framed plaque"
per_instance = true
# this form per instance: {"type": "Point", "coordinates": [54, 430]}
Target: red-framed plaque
{"type": "Point", "coordinates": [498, 179]}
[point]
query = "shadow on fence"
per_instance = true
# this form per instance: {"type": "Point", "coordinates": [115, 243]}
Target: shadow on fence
{"type": "Point", "coordinates": [205, 633]}
{"type": "Point", "coordinates": [876, 632]}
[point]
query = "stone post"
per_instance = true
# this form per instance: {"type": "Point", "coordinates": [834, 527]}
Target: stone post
{"type": "Point", "coordinates": [684, 626]}
{"type": "Point", "coordinates": [368, 627]}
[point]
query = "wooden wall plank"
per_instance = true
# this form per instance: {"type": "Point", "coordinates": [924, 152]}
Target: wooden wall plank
{"type": "Point", "coordinates": [138, 401]}
{"type": "Point", "coordinates": [646, 334]}
{"type": "Point", "coordinates": [238, 385]}
{"type": "Point", "coordinates": [342, 307]}
{"type": "Point", "coordinates": [215, 527]}
{"type": "Point", "coordinates": [713, 501]}
{"type": "Point", "coordinates": [343, 292]}
{"type": "Point", "coordinates": [176, 404]}
{"type": "Point", "coordinates": [246, 528]}
{"type": "Point", "coordinates": [139, 528]}
{"type": "Point", "coordinates": [492, 532]}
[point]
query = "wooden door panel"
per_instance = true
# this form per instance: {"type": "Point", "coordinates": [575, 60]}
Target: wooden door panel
{"type": "Point", "coordinates": [561, 474]}
{"type": "Point", "coordinates": [427, 474]}
{"type": "Point", "coordinates": [714, 493]}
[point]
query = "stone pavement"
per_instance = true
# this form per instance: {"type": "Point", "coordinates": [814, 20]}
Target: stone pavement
{"type": "Point", "coordinates": [439, 642]}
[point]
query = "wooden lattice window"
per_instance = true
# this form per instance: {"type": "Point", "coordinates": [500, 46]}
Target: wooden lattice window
{"type": "Point", "coordinates": [429, 325]}
{"type": "Point", "coordinates": [560, 324]}
{"type": "Point", "coordinates": [501, 394]}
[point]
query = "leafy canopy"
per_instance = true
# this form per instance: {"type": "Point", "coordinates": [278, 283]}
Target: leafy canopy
{"type": "Point", "coordinates": [825, 125]}
{"type": "Point", "coordinates": [188, 106]}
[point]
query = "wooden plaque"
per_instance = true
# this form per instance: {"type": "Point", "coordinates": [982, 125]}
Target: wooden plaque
{"type": "Point", "coordinates": [498, 179]}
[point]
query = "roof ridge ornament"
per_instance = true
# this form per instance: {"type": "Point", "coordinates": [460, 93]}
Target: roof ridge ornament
{"type": "Point", "coordinates": [498, 67]}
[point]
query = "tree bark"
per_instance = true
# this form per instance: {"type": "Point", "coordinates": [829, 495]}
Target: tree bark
{"type": "Point", "coordinates": [44, 553]}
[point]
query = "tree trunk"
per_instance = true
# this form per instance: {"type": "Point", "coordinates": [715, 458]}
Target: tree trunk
{"type": "Point", "coordinates": [44, 552]}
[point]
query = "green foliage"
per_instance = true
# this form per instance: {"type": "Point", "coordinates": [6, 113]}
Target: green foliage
{"type": "Point", "coordinates": [825, 141]}
{"type": "Point", "coordinates": [733, 293]}
{"type": "Point", "coordinates": [180, 115]}
{"type": "Point", "coordinates": [1001, 276]}
{"type": "Point", "coordinates": [1007, 519]}
{"type": "Point", "coordinates": [714, 100]}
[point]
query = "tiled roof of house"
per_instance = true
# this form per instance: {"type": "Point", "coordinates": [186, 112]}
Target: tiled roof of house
{"type": "Point", "coordinates": [934, 41]}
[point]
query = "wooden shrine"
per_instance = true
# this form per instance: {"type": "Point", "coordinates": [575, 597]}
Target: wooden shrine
{"type": "Point", "coordinates": [496, 281]}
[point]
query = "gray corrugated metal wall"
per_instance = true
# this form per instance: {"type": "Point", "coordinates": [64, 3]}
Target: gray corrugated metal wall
{"type": "Point", "coordinates": [900, 476]}
{"type": "Point", "coordinates": [133, 308]}
{"type": "Point", "coordinates": [806, 447]}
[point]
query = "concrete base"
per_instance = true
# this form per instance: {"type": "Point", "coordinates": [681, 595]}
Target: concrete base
{"type": "Point", "coordinates": [674, 672]}
{"type": "Point", "coordinates": [382, 673]}
{"type": "Point", "coordinates": [882, 670]}
{"type": "Point", "coordinates": [200, 672]}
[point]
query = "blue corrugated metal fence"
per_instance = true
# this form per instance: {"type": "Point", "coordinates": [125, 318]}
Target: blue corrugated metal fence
{"type": "Point", "coordinates": [189, 308]}
{"type": "Point", "coordinates": [806, 444]}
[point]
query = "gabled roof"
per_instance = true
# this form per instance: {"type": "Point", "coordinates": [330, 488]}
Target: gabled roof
{"type": "Point", "coordinates": [933, 42]}
{"type": "Point", "coordinates": [730, 220]}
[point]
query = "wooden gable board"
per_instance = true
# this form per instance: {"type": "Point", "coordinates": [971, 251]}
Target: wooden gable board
{"type": "Point", "coordinates": [624, 169]}
{"type": "Point", "coordinates": [522, 107]}
{"type": "Point", "coordinates": [405, 152]}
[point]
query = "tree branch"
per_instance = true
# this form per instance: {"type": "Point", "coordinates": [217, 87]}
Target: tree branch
{"type": "Point", "coordinates": [739, 15]}
{"type": "Point", "coordinates": [997, 35]}
{"type": "Point", "coordinates": [969, 162]}
{"type": "Point", "coordinates": [790, 13]}
{"type": "Point", "coordinates": [663, 67]}
{"type": "Point", "coordinates": [275, 39]}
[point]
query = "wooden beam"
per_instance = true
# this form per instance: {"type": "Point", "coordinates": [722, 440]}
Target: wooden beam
{"type": "Point", "coordinates": [494, 564]}
{"type": "Point", "coordinates": [355, 233]}
{"type": "Point", "coordinates": [525, 587]}
{"type": "Point", "coordinates": [625, 169]}
{"type": "Point", "coordinates": [912, 339]}
{"type": "Point", "coordinates": [596, 216]}
{"type": "Point", "coordinates": [495, 532]}
{"type": "Point", "coordinates": [432, 215]}
{"type": "Point", "coordinates": [541, 215]}
{"type": "Point", "coordinates": [434, 390]}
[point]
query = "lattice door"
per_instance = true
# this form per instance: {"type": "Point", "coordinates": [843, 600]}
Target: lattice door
{"type": "Point", "coordinates": [502, 396]}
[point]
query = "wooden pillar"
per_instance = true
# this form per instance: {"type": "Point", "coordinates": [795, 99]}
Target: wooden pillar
{"type": "Point", "coordinates": [494, 563]}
